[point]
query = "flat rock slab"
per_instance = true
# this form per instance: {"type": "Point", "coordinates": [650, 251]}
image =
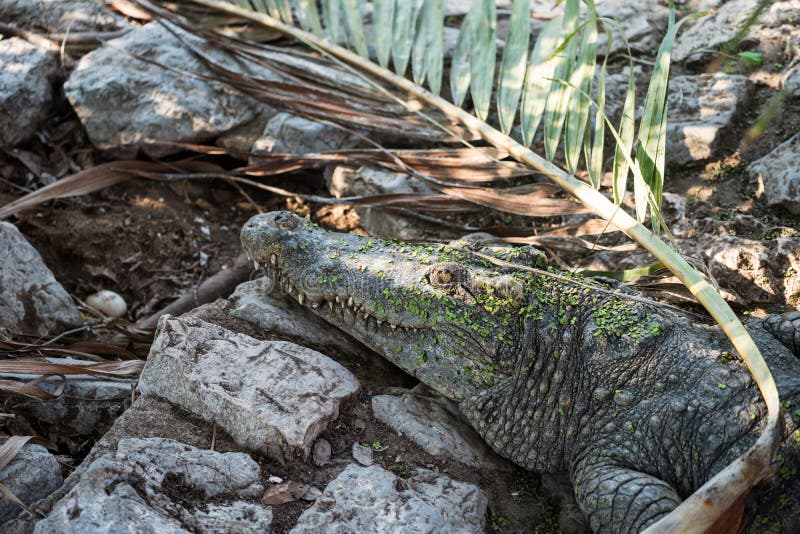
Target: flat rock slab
{"type": "Point", "coordinates": [778, 174]}
{"type": "Point", "coordinates": [254, 302]}
{"type": "Point", "coordinates": [272, 396]}
{"type": "Point", "coordinates": [144, 486]}
{"type": "Point", "coordinates": [126, 104]}
{"type": "Point", "coordinates": [26, 75]}
{"type": "Point", "coordinates": [371, 499]}
{"type": "Point", "coordinates": [31, 301]}
{"type": "Point", "coordinates": [434, 428]}
{"type": "Point", "coordinates": [33, 474]}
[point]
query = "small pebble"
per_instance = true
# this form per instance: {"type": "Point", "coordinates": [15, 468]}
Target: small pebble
{"type": "Point", "coordinates": [362, 455]}
{"type": "Point", "coordinates": [274, 480]}
{"type": "Point", "coordinates": [321, 453]}
{"type": "Point", "coordinates": [108, 303]}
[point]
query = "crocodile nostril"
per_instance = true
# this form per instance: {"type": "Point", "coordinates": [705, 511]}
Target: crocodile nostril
{"type": "Point", "coordinates": [285, 221]}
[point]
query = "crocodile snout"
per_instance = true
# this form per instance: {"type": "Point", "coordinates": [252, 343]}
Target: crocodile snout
{"type": "Point", "coordinates": [263, 235]}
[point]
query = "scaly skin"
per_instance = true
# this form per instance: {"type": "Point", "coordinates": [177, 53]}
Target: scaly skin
{"type": "Point", "coordinates": [637, 403]}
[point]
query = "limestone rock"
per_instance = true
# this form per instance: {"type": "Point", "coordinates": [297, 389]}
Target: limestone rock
{"type": "Point", "coordinates": [31, 301]}
{"type": "Point", "coordinates": [26, 74]}
{"type": "Point", "coordinates": [371, 499]}
{"type": "Point", "coordinates": [700, 108]}
{"type": "Point", "coordinates": [144, 486]}
{"type": "Point", "coordinates": [126, 104]}
{"type": "Point", "coordinates": [269, 395]}
{"type": "Point", "coordinates": [254, 302]}
{"type": "Point", "coordinates": [774, 29]}
{"type": "Point", "coordinates": [362, 454]}
{"type": "Point", "coordinates": [643, 23]}
{"type": "Point", "coordinates": [287, 133]}
{"type": "Point", "coordinates": [780, 175]}
{"type": "Point", "coordinates": [60, 16]}
{"type": "Point", "coordinates": [33, 474]}
{"type": "Point", "coordinates": [344, 181]}
{"type": "Point", "coordinates": [437, 430]}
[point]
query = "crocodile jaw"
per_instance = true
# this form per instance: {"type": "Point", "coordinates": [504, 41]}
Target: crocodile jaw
{"type": "Point", "coordinates": [372, 290]}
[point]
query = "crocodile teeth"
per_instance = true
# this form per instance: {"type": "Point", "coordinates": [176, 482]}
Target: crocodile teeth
{"type": "Point", "coordinates": [338, 300]}
{"type": "Point", "coordinates": [301, 298]}
{"type": "Point", "coordinates": [350, 302]}
{"type": "Point", "coordinates": [394, 326]}
{"type": "Point", "coordinates": [315, 305]}
{"type": "Point", "coordinates": [379, 322]}
{"type": "Point", "coordinates": [255, 265]}
{"type": "Point", "coordinates": [330, 305]}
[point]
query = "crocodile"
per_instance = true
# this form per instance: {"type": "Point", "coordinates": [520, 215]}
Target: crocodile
{"type": "Point", "coordinates": [558, 373]}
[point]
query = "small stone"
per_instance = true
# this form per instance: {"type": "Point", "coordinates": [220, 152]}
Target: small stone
{"type": "Point", "coordinates": [31, 475]}
{"type": "Point", "coordinates": [779, 175]}
{"type": "Point", "coordinates": [31, 300]}
{"type": "Point", "coordinates": [362, 454]}
{"type": "Point", "coordinates": [321, 453]}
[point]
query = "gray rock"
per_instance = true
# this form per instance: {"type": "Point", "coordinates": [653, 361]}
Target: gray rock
{"type": "Point", "coordinates": [287, 133]}
{"type": "Point", "coordinates": [700, 109]}
{"type": "Point", "coordinates": [87, 407]}
{"type": "Point", "coordinates": [362, 454]}
{"type": "Point", "coordinates": [433, 427]}
{"type": "Point", "coordinates": [791, 81]}
{"type": "Point", "coordinates": [775, 28]}
{"type": "Point", "coordinates": [31, 301]}
{"type": "Point", "coordinates": [145, 485]}
{"type": "Point", "coordinates": [26, 75]}
{"type": "Point", "coordinates": [60, 16]}
{"type": "Point", "coordinates": [321, 453]}
{"type": "Point", "coordinates": [713, 30]}
{"type": "Point", "coordinates": [778, 174]}
{"type": "Point", "coordinates": [371, 499]}
{"type": "Point", "coordinates": [344, 181]}
{"type": "Point", "coordinates": [272, 396]}
{"type": "Point", "coordinates": [257, 302]}
{"type": "Point", "coordinates": [643, 23]}
{"type": "Point", "coordinates": [33, 474]}
{"type": "Point", "coordinates": [126, 104]}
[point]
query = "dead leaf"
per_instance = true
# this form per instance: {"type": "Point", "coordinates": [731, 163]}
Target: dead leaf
{"type": "Point", "coordinates": [285, 492]}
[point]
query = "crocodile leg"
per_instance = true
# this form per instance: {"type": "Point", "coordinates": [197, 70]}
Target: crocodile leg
{"type": "Point", "coordinates": [620, 499]}
{"type": "Point", "coordinates": [786, 328]}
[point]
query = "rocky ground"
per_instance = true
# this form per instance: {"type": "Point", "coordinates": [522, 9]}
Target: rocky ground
{"type": "Point", "coordinates": [249, 414]}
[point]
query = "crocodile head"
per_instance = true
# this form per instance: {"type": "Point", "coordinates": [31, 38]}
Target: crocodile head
{"type": "Point", "coordinates": [441, 312]}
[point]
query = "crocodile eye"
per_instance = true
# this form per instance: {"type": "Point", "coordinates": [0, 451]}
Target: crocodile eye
{"type": "Point", "coordinates": [446, 275]}
{"type": "Point", "coordinates": [286, 221]}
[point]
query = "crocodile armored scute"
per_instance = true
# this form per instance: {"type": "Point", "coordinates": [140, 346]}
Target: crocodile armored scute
{"type": "Point", "coordinates": [639, 404]}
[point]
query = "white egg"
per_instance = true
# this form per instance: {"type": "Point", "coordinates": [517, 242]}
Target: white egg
{"type": "Point", "coordinates": [108, 303]}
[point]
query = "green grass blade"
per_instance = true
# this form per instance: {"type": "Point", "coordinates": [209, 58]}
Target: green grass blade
{"type": "Point", "coordinates": [650, 152]}
{"type": "Point", "coordinates": [285, 10]}
{"type": "Point", "coordinates": [538, 79]}
{"type": "Point", "coordinates": [384, 25]}
{"type": "Point", "coordinates": [482, 56]}
{"type": "Point", "coordinates": [593, 147]}
{"type": "Point", "coordinates": [355, 27]}
{"type": "Point", "coordinates": [405, 15]}
{"type": "Point", "coordinates": [560, 93]}
{"type": "Point", "coordinates": [308, 16]}
{"type": "Point", "coordinates": [512, 67]}
{"type": "Point", "coordinates": [627, 129]}
{"type": "Point", "coordinates": [459, 65]}
{"type": "Point", "coordinates": [580, 105]}
{"type": "Point", "coordinates": [332, 13]}
{"type": "Point", "coordinates": [428, 45]}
